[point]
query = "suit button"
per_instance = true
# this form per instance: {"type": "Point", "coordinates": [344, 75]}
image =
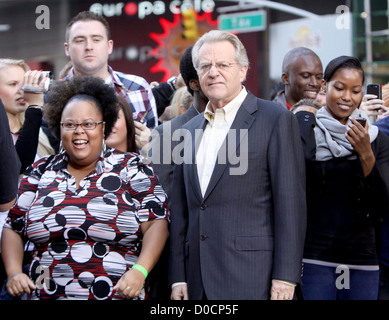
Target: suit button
{"type": "Point", "coordinates": [203, 237]}
{"type": "Point", "coordinates": [203, 206]}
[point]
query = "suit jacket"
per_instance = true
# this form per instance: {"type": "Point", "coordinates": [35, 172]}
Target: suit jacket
{"type": "Point", "coordinates": [161, 142]}
{"type": "Point", "coordinates": [161, 145]}
{"type": "Point", "coordinates": [248, 228]}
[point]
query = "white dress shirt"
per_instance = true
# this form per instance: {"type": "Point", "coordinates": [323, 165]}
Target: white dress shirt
{"type": "Point", "coordinates": [219, 123]}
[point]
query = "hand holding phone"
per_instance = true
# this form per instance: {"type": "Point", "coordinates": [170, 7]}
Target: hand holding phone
{"type": "Point", "coordinates": [374, 89]}
{"type": "Point", "coordinates": [361, 120]}
{"type": "Point", "coordinates": [372, 102]}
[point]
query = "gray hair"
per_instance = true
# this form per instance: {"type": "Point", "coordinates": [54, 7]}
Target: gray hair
{"type": "Point", "coordinates": [218, 36]}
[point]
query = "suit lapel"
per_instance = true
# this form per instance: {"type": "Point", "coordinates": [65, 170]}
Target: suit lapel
{"type": "Point", "coordinates": [196, 131]}
{"type": "Point", "coordinates": [239, 128]}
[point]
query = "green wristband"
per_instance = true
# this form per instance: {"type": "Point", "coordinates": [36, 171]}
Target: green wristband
{"type": "Point", "coordinates": [141, 269]}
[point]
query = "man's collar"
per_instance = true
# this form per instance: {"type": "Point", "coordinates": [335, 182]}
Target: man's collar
{"type": "Point", "coordinates": [229, 109]}
{"type": "Point", "coordinates": [115, 78]}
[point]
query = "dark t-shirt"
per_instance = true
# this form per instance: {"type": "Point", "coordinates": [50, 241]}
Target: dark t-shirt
{"type": "Point", "coordinates": [9, 161]}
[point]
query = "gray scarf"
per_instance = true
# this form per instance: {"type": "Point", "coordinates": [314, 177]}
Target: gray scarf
{"type": "Point", "coordinates": [330, 136]}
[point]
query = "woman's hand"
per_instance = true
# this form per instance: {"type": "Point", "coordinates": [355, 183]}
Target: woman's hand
{"type": "Point", "coordinates": [130, 284]}
{"type": "Point", "coordinates": [33, 89]}
{"type": "Point", "coordinates": [19, 283]}
{"type": "Point", "coordinates": [373, 106]}
{"type": "Point", "coordinates": [359, 138]}
{"type": "Point", "coordinates": [142, 135]}
{"type": "Point", "coordinates": [155, 234]}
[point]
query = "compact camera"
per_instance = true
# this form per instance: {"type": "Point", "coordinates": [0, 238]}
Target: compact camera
{"type": "Point", "coordinates": [45, 88]}
{"type": "Point", "coordinates": [49, 79]}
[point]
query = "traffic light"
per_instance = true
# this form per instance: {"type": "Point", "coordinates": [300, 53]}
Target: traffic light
{"type": "Point", "coordinates": [189, 23]}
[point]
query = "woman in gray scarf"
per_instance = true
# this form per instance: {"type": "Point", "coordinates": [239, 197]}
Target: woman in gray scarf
{"type": "Point", "coordinates": [347, 177]}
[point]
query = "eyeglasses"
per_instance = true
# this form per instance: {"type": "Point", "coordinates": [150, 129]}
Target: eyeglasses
{"type": "Point", "coordinates": [88, 125]}
{"type": "Point", "coordinates": [222, 66]}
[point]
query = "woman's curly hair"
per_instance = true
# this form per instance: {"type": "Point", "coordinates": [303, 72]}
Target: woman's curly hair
{"type": "Point", "coordinates": [89, 88]}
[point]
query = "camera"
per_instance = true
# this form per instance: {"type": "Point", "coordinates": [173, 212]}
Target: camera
{"type": "Point", "coordinates": [46, 76]}
{"type": "Point", "coordinates": [49, 79]}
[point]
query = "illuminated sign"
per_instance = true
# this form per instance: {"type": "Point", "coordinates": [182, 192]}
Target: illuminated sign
{"type": "Point", "coordinates": [173, 42]}
{"type": "Point", "coordinates": [146, 8]}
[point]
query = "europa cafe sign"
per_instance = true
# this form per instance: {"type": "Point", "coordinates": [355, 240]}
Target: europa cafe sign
{"type": "Point", "coordinates": [146, 8]}
{"type": "Point", "coordinates": [182, 22]}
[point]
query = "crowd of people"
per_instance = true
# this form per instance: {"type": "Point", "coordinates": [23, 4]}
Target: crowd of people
{"type": "Point", "coordinates": [194, 188]}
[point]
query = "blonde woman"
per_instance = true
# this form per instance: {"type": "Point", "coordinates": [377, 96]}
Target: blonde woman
{"type": "Point", "coordinates": [24, 109]}
{"type": "Point", "coordinates": [180, 102]}
{"type": "Point", "coordinates": [24, 114]}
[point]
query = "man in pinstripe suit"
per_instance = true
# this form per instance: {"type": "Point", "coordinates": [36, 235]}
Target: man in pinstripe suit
{"type": "Point", "coordinates": [237, 227]}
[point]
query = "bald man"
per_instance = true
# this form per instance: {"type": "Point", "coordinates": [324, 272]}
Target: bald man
{"type": "Point", "coordinates": [302, 74]}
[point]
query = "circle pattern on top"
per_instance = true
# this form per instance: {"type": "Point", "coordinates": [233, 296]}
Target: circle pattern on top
{"type": "Point", "coordinates": [103, 208]}
{"type": "Point", "coordinates": [86, 239]}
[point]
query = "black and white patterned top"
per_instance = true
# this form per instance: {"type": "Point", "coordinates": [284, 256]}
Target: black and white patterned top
{"type": "Point", "coordinates": [85, 239]}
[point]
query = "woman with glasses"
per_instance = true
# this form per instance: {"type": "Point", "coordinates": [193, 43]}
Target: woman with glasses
{"type": "Point", "coordinates": [86, 209]}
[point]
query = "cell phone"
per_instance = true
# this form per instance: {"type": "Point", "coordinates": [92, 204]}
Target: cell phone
{"type": "Point", "coordinates": [362, 121]}
{"type": "Point", "coordinates": [376, 89]}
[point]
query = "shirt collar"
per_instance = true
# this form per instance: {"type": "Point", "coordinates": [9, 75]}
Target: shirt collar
{"type": "Point", "coordinates": [104, 164]}
{"type": "Point", "coordinates": [114, 78]}
{"type": "Point", "coordinates": [229, 110]}
{"type": "Point", "coordinates": [70, 74]}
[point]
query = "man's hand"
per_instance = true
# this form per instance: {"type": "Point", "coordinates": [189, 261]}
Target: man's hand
{"type": "Point", "coordinates": [179, 292]}
{"type": "Point", "coordinates": [281, 290]}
